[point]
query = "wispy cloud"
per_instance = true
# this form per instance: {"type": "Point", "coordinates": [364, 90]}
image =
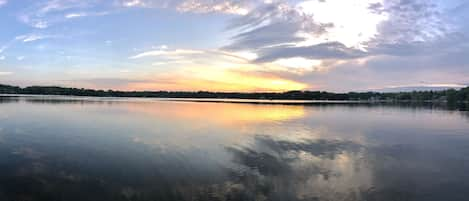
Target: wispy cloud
{"type": "Point", "coordinates": [26, 38]}
{"type": "Point", "coordinates": [162, 52]}
{"type": "Point", "coordinates": [273, 26]}
{"type": "Point", "coordinates": [32, 37]}
{"type": "Point", "coordinates": [237, 7]}
{"type": "Point", "coordinates": [176, 62]}
{"type": "Point", "coordinates": [166, 56]}
{"type": "Point", "coordinates": [84, 14]}
{"type": "Point", "coordinates": [133, 3]}
{"type": "Point", "coordinates": [327, 50]}
{"type": "Point", "coordinates": [43, 14]}
{"type": "Point", "coordinates": [223, 6]}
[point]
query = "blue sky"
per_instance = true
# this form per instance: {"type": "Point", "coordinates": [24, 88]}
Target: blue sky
{"type": "Point", "coordinates": [235, 45]}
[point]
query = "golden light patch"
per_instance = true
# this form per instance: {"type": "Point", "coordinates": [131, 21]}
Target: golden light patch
{"type": "Point", "coordinates": [211, 79]}
{"type": "Point", "coordinates": [225, 114]}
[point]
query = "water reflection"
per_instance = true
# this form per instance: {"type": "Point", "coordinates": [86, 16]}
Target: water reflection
{"type": "Point", "coordinates": [229, 114]}
{"type": "Point", "coordinates": [129, 149]}
{"type": "Point", "coordinates": [312, 170]}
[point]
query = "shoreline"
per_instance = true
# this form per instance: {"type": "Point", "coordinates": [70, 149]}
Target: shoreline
{"type": "Point", "coordinates": [232, 100]}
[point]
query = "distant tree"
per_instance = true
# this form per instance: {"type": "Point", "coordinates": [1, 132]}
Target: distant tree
{"type": "Point", "coordinates": [450, 95]}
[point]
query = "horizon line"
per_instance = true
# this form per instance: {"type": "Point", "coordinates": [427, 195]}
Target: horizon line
{"type": "Point", "coordinates": [431, 88]}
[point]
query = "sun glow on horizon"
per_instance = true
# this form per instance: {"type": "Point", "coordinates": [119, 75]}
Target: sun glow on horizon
{"type": "Point", "coordinates": [214, 70]}
{"type": "Point", "coordinates": [225, 81]}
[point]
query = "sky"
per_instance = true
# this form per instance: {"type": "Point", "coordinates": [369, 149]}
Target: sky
{"type": "Point", "coordinates": [235, 45]}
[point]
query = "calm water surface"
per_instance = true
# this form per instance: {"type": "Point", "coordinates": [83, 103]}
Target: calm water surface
{"type": "Point", "coordinates": [72, 149]}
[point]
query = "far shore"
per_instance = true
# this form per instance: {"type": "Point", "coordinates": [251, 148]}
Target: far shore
{"type": "Point", "coordinates": [225, 100]}
{"type": "Point", "coordinates": [287, 97]}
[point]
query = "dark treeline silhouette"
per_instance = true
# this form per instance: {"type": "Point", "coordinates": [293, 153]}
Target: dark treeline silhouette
{"type": "Point", "coordinates": [450, 95]}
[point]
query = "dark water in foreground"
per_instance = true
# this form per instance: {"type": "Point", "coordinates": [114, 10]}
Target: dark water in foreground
{"type": "Point", "coordinates": [133, 149]}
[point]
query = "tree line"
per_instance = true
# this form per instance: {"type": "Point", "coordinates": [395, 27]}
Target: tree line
{"type": "Point", "coordinates": [450, 95]}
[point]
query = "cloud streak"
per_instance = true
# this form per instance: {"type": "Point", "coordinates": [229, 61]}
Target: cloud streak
{"type": "Point", "coordinates": [84, 14]}
{"type": "Point", "coordinates": [236, 7]}
{"type": "Point", "coordinates": [323, 51]}
{"type": "Point", "coordinates": [43, 14]}
{"type": "Point", "coordinates": [273, 24]}
{"type": "Point", "coordinates": [32, 37]}
{"type": "Point", "coordinates": [177, 52]}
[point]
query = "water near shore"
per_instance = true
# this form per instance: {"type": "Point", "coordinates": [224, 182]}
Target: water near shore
{"type": "Point", "coordinates": [62, 148]}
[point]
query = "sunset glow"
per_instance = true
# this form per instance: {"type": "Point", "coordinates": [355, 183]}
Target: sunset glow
{"type": "Point", "coordinates": [220, 81]}
{"type": "Point", "coordinates": [225, 45]}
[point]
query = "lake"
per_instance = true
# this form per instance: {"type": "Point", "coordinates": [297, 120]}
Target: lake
{"type": "Point", "coordinates": [80, 149]}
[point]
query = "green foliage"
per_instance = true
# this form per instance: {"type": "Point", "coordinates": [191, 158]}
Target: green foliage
{"type": "Point", "coordinates": [5, 89]}
{"type": "Point", "coordinates": [449, 95]}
